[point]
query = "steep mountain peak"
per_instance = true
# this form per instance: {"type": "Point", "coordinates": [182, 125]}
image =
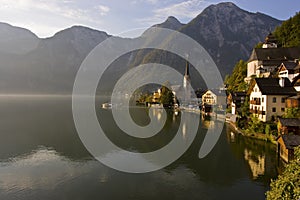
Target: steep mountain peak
{"type": "Point", "coordinates": [226, 5]}
{"type": "Point", "coordinates": [224, 27]}
{"type": "Point", "coordinates": [173, 20]}
{"type": "Point", "coordinates": [223, 9]}
{"type": "Point", "coordinates": [170, 23]}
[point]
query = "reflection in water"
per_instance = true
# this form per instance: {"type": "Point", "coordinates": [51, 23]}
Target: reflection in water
{"type": "Point", "coordinates": [256, 163]}
{"type": "Point", "coordinates": [208, 124]}
{"type": "Point", "coordinates": [184, 130]}
{"type": "Point", "coordinates": [41, 157]}
{"type": "Point", "coordinates": [42, 169]}
{"type": "Point", "coordinates": [232, 136]}
{"type": "Point", "coordinates": [260, 156]}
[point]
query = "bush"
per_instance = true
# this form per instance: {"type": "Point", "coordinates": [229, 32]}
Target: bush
{"type": "Point", "coordinates": [255, 126]}
{"type": "Point", "coordinates": [287, 185]}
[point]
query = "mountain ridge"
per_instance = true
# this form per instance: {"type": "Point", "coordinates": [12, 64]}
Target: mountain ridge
{"type": "Point", "coordinates": [53, 62]}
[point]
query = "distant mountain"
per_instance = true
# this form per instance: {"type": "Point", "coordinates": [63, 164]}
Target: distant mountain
{"type": "Point", "coordinates": [16, 40]}
{"type": "Point", "coordinates": [49, 67]}
{"type": "Point", "coordinates": [29, 64]}
{"type": "Point", "coordinates": [170, 23]}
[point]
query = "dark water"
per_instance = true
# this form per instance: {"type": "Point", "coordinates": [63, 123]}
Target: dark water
{"type": "Point", "coordinates": [42, 157]}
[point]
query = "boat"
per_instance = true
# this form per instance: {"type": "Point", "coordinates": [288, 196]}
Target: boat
{"type": "Point", "coordinates": [107, 105]}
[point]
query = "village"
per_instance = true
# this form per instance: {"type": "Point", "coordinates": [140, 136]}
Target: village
{"type": "Point", "coordinates": [269, 107]}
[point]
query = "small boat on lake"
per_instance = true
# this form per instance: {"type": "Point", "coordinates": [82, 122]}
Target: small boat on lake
{"type": "Point", "coordinates": [107, 105]}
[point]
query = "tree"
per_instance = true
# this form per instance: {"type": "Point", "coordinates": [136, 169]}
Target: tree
{"type": "Point", "coordinates": [292, 113]}
{"type": "Point", "coordinates": [259, 45]}
{"type": "Point", "coordinates": [167, 97]}
{"type": "Point", "coordinates": [245, 112]}
{"type": "Point", "coordinates": [255, 126]}
{"type": "Point", "coordinates": [288, 34]}
{"type": "Point", "coordinates": [287, 185]}
{"type": "Point", "coordinates": [235, 82]}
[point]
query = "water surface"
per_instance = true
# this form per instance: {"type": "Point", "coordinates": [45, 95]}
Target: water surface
{"type": "Point", "coordinates": [42, 157]}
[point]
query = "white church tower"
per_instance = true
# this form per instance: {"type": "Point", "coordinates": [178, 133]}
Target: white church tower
{"type": "Point", "coordinates": [187, 84]}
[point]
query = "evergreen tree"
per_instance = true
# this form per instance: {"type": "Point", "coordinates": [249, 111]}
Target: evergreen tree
{"type": "Point", "coordinates": [235, 82]}
{"type": "Point", "coordinates": [288, 34]}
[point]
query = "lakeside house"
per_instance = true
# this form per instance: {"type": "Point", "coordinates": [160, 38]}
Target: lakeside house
{"type": "Point", "coordinates": [288, 126]}
{"type": "Point", "coordinates": [268, 96]}
{"type": "Point", "coordinates": [289, 137]}
{"type": "Point", "coordinates": [213, 98]}
{"type": "Point", "coordinates": [286, 145]}
{"type": "Point", "coordinates": [235, 100]}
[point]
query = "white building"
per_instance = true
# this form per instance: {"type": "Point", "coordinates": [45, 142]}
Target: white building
{"type": "Point", "coordinates": [289, 70]}
{"type": "Point", "coordinates": [215, 98]}
{"type": "Point", "coordinates": [267, 97]}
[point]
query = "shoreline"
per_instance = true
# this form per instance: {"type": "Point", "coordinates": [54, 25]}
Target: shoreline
{"type": "Point", "coordinates": [258, 136]}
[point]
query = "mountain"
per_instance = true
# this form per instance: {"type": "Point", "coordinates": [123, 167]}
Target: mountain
{"type": "Point", "coordinates": [29, 64]}
{"type": "Point", "coordinates": [170, 23]}
{"type": "Point", "coordinates": [227, 32]}
{"type": "Point", "coordinates": [50, 65]}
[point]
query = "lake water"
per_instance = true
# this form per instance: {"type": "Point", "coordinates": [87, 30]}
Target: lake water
{"type": "Point", "coordinates": [42, 157]}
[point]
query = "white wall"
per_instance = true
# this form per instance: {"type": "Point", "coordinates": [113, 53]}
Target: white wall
{"type": "Point", "coordinates": [267, 104]}
{"type": "Point", "coordinates": [251, 68]}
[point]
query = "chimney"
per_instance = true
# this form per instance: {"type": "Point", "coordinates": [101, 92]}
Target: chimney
{"type": "Point", "coordinates": [281, 82]}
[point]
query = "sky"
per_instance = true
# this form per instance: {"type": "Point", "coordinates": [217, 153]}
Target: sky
{"type": "Point", "coordinates": [121, 17]}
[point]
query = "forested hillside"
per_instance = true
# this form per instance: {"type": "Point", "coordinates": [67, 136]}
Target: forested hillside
{"type": "Point", "coordinates": [288, 34]}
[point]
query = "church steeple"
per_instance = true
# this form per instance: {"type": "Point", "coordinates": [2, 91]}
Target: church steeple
{"type": "Point", "coordinates": [187, 69]}
{"type": "Point", "coordinates": [186, 83]}
{"type": "Point", "coordinates": [186, 78]}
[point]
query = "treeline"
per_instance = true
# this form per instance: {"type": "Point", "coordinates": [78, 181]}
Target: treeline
{"type": "Point", "coordinates": [288, 34]}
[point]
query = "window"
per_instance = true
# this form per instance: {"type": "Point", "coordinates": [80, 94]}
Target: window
{"type": "Point", "coordinates": [282, 109]}
{"type": "Point", "coordinates": [282, 100]}
{"type": "Point", "coordinates": [273, 109]}
{"type": "Point", "coordinates": [262, 108]}
{"type": "Point", "coordinates": [274, 99]}
{"type": "Point", "coordinates": [255, 90]}
{"type": "Point", "coordinates": [262, 99]}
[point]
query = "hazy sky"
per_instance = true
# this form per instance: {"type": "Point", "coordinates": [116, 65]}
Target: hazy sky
{"type": "Point", "coordinates": [46, 17]}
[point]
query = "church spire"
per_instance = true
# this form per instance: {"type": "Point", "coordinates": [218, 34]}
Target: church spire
{"type": "Point", "coordinates": [186, 78]}
{"type": "Point", "coordinates": [187, 69]}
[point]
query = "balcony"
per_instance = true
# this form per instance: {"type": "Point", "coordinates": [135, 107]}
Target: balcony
{"type": "Point", "coordinates": [253, 111]}
{"type": "Point", "coordinates": [257, 112]}
{"type": "Point", "coordinates": [262, 112]}
{"type": "Point", "coordinates": [255, 102]}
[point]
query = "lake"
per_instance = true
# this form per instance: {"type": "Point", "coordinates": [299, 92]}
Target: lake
{"type": "Point", "coordinates": [42, 157]}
